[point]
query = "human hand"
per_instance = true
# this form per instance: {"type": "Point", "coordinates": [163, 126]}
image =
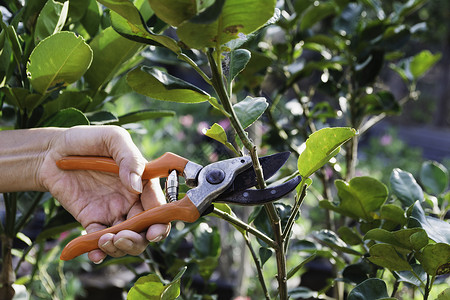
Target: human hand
{"type": "Point", "coordinates": [97, 199]}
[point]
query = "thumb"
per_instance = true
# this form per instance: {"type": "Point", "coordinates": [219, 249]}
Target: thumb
{"type": "Point", "coordinates": [129, 159]}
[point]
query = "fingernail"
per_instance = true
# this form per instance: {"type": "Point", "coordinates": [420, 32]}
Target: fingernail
{"type": "Point", "coordinates": [157, 239]}
{"type": "Point", "coordinates": [136, 182]}
{"type": "Point", "coordinates": [124, 244]}
{"type": "Point", "coordinates": [106, 244]}
{"type": "Point", "coordinates": [99, 262]}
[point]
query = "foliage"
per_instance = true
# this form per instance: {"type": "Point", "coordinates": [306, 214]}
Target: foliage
{"type": "Point", "coordinates": [308, 72]}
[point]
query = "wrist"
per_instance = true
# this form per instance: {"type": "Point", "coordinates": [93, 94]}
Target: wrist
{"type": "Point", "coordinates": [22, 156]}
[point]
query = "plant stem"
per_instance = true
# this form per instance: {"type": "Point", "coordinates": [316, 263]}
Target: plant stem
{"type": "Point", "coordinates": [427, 288]}
{"type": "Point", "coordinates": [258, 267]}
{"type": "Point", "coordinates": [7, 276]}
{"type": "Point", "coordinates": [247, 228]}
{"type": "Point", "coordinates": [295, 209]}
{"type": "Point", "coordinates": [220, 88]}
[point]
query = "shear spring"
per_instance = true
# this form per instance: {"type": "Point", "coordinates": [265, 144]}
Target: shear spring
{"type": "Point", "coordinates": [172, 187]}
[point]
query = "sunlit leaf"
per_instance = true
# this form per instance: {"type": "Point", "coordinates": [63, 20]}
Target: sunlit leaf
{"type": "Point", "coordinates": [410, 238]}
{"type": "Point", "coordinates": [217, 133]}
{"type": "Point", "coordinates": [361, 196]}
{"type": "Point", "coordinates": [70, 59]}
{"type": "Point", "coordinates": [405, 187]}
{"type": "Point", "coordinates": [233, 20]}
{"type": "Point", "coordinates": [110, 51]}
{"type": "Point", "coordinates": [436, 229]}
{"type": "Point", "coordinates": [422, 62]}
{"type": "Point", "coordinates": [159, 85]}
{"type": "Point", "coordinates": [321, 146]}
{"type": "Point", "coordinates": [174, 12]}
{"type": "Point", "coordinates": [238, 60]}
{"type": "Point", "coordinates": [51, 19]}
{"type": "Point", "coordinates": [139, 32]}
{"type": "Point", "coordinates": [444, 295]}
{"type": "Point", "coordinates": [250, 109]}
{"type": "Point", "coordinates": [434, 177]}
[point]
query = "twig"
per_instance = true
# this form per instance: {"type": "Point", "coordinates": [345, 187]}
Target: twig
{"type": "Point", "coordinates": [247, 228]}
{"type": "Point", "coordinates": [258, 267]}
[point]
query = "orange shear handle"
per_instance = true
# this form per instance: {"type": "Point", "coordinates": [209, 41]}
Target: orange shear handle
{"type": "Point", "coordinates": [182, 210]}
{"type": "Point", "coordinates": [159, 167]}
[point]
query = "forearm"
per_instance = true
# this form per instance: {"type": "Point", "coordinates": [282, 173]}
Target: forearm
{"type": "Point", "coordinates": [21, 155]}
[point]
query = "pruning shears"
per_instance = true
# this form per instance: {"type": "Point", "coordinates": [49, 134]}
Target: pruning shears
{"type": "Point", "coordinates": [227, 181]}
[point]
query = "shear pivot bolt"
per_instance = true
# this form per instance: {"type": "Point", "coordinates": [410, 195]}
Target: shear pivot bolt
{"type": "Point", "coordinates": [215, 176]}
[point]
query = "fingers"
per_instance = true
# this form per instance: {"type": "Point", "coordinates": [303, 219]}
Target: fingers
{"type": "Point", "coordinates": [127, 156]}
{"type": "Point", "coordinates": [108, 141]}
{"type": "Point", "coordinates": [152, 197]}
{"type": "Point", "coordinates": [117, 245]}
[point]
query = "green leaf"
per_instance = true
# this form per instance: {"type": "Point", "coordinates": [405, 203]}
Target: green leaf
{"type": "Point", "coordinates": [302, 292]}
{"type": "Point", "coordinates": [126, 260]}
{"type": "Point", "coordinates": [265, 254]}
{"type": "Point", "coordinates": [435, 259]}
{"type": "Point", "coordinates": [316, 13]}
{"type": "Point", "coordinates": [239, 58]}
{"type": "Point", "coordinates": [409, 7]}
{"type": "Point", "coordinates": [59, 223]}
{"type": "Point", "coordinates": [209, 14]}
{"type": "Point", "coordinates": [436, 229]}
{"type": "Point", "coordinates": [331, 239]}
{"type": "Point", "coordinates": [370, 289]}
{"type": "Point", "coordinates": [321, 146]}
{"type": "Point", "coordinates": [381, 102]}
{"type": "Point", "coordinates": [422, 62]}
{"type": "Point", "coordinates": [217, 133]}
{"type": "Point", "coordinates": [405, 187]}
{"type": "Point", "coordinates": [393, 213]}
{"type": "Point", "coordinates": [156, 84]}
{"type": "Point", "coordinates": [349, 236]}
{"type": "Point", "coordinates": [66, 99]}
{"type": "Point", "coordinates": [66, 118]}
{"type": "Point", "coordinates": [358, 272]}
{"type": "Point", "coordinates": [71, 57]}
{"type": "Point", "coordinates": [359, 198]}
{"type": "Point", "coordinates": [416, 277]}
{"type": "Point", "coordinates": [174, 12]}
{"type": "Point", "coordinates": [409, 239]}
{"type": "Point", "coordinates": [233, 20]}
{"type": "Point", "coordinates": [444, 295]}
{"type": "Point", "coordinates": [385, 255]}
{"type": "Point", "coordinates": [297, 268]}
{"type": "Point", "coordinates": [92, 18]}
{"type": "Point", "coordinates": [110, 51]}
{"type": "Point", "coordinates": [6, 58]}
{"type": "Point", "coordinates": [19, 97]}
{"type": "Point", "coordinates": [206, 249]}
{"type": "Point", "coordinates": [149, 287]}
{"type": "Point", "coordinates": [101, 117]}
{"type": "Point", "coordinates": [250, 109]}
{"type": "Point", "coordinates": [434, 177]}
{"type": "Point", "coordinates": [127, 20]}
{"type": "Point", "coordinates": [143, 115]}
{"type": "Point", "coordinates": [138, 32]}
{"type": "Point", "coordinates": [51, 19]}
